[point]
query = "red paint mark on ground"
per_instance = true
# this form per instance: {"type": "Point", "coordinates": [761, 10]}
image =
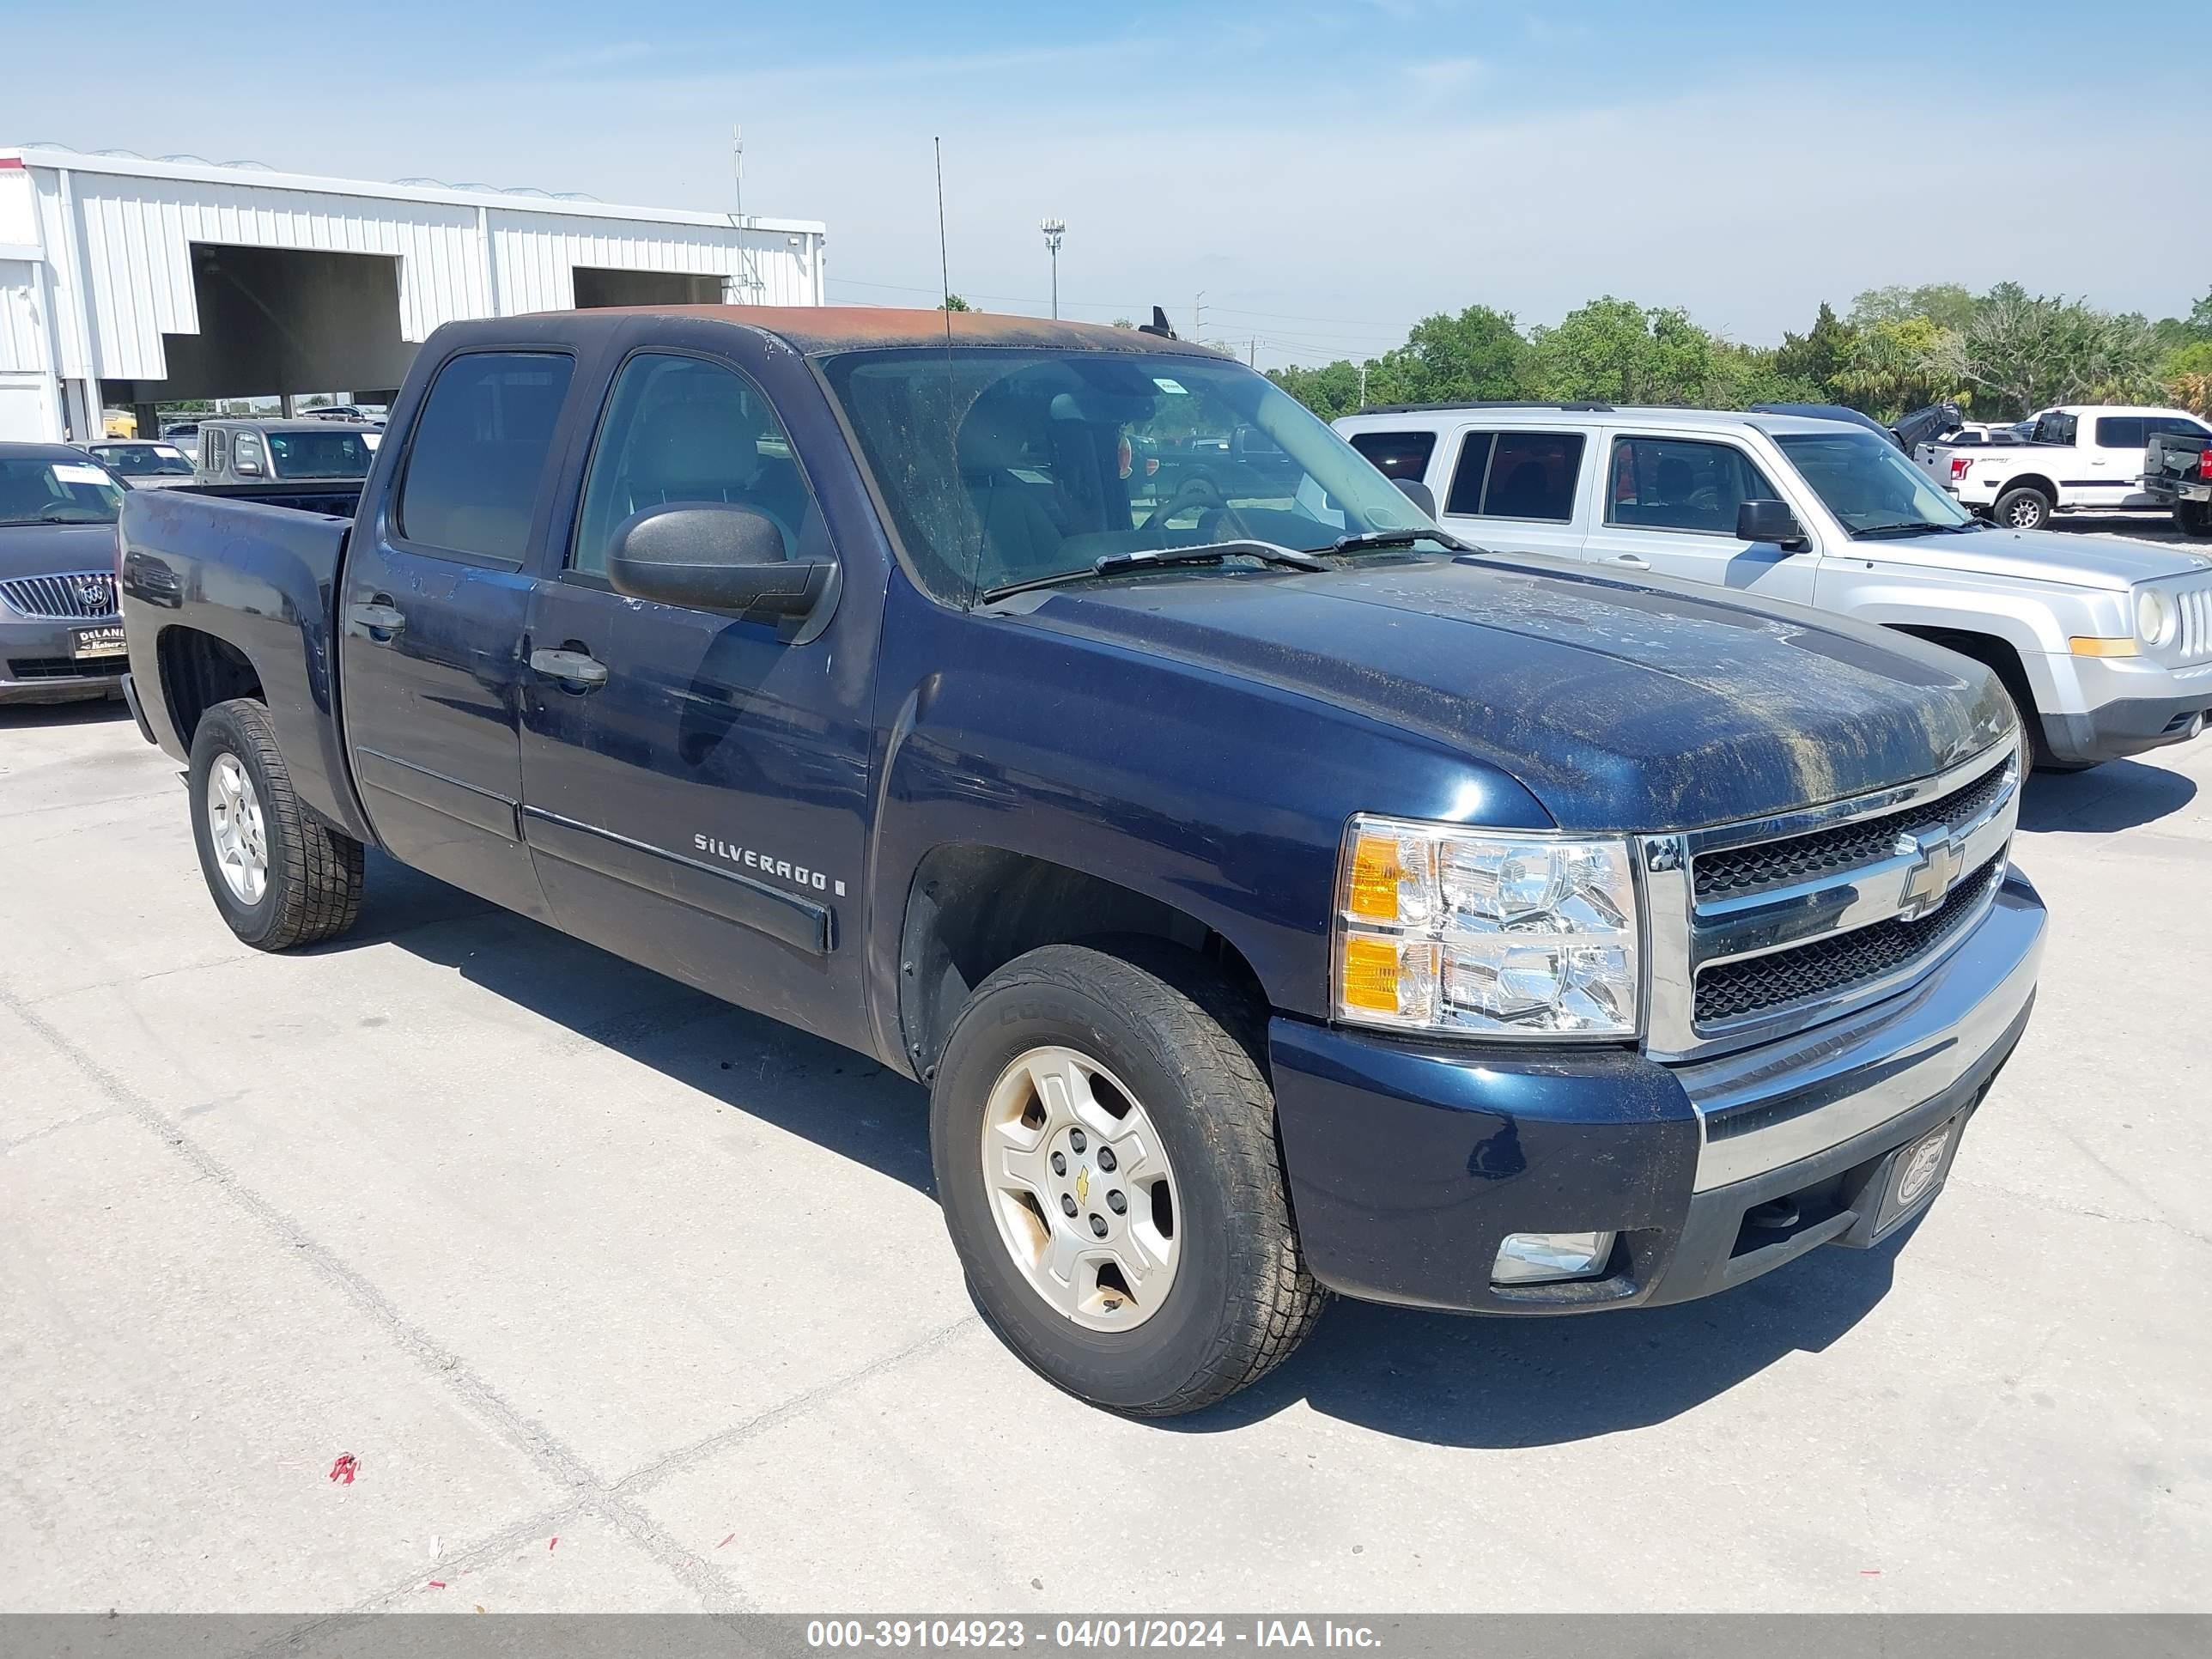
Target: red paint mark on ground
{"type": "Point", "coordinates": [437, 1584]}
{"type": "Point", "coordinates": [551, 1542]}
{"type": "Point", "coordinates": [345, 1469]}
{"type": "Point", "coordinates": [726, 1541]}
{"type": "Point", "coordinates": [1869, 1573]}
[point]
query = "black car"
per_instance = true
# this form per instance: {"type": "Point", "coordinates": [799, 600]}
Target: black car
{"type": "Point", "coordinates": [61, 637]}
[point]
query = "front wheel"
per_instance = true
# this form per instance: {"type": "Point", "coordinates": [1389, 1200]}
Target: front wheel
{"type": "Point", "coordinates": [1105, 1152]}
{"type": "Point", "coordinates": [2025, 508]}
{"type": "Point", "coordinates": [279, 876]}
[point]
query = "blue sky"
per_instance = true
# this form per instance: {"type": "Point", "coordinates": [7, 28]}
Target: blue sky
{"type": "Point", "coordinates": [1324, 173]}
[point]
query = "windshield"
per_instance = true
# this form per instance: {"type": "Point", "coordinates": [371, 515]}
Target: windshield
{"type": "Point", "coordinates": [36, 490]}
{"type": "Point", "coordinates": [1002, 465]}
{"type": "Point", "coordinates": [336, 454]}
{"type": "Point", "coordinates": [1870, 485]}
{"type": "Point", "coordinates": [144, 460]}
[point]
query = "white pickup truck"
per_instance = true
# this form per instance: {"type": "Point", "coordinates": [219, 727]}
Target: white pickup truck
{"type": "Point", "coordinates": [2105, 644]}
{"type": "Point", "coordinates": [2080, 457]}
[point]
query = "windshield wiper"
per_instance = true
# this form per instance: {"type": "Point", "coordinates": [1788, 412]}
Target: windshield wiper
{"type": "Point", "coordinates": [1367, 538]}
{"type": "Point", "coordinates": [1912, 527]}
{"type": "Point", "coordinates": [1155, 558]}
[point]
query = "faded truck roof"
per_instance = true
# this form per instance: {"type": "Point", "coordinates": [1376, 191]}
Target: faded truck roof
{"type": "Point", "coordinates": [815, 329]}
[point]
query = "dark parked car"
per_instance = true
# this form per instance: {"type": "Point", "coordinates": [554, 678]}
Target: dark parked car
{"type": "Point", "coordinates": [60, 636]}
{"type": "Point", "coordinates": [1275, 893]}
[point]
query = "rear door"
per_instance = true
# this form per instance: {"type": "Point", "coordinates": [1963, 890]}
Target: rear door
{"type": "Point", "coordinates": [1513, 488]}
{"type": "Point", "coordinates": [1669, 504]}
{"type": "Point", "coordinates": [431, 616]}
{"type": "Point", "coordinates": [696, 785]}
{"type": "Point", "coordinates": [2110, 474]}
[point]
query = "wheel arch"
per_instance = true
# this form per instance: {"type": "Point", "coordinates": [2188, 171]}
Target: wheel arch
{"type": "Point", "coordinates": [972, 907]}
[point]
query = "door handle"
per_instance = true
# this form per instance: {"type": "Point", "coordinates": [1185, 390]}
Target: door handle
{"type": "Point", "coordinates": [571, 667]}
{"type": "Point", "coordinates": [380, 615]}
{"type": "Point", "coordinates": [1633, 561]}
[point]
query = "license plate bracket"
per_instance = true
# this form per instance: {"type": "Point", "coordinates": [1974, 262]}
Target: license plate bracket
{"type": "Point", "coordinates": [108, 641]}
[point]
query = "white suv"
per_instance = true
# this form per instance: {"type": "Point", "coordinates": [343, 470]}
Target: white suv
{"type": "Point", "coordinates": [2082, 458]}
{"type": "Point", "coordinates": [2107, 642]}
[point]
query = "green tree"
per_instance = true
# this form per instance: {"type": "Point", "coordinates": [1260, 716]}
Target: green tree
{"type": "Point", "coordinates": [1947, 304]}
{"type": "Point", "coordinates": [1476, 355]}
{"type": "Point", "coordinates": [1615, 351]}
{"type": "Point", "coordinates": [1330, 390]}
{"type": "Point", "coordinates": [954, 303]}
{"type": "Point", "coordinates": [1816, 355]}
{"type": "Point", "coordinates": [2022, 352]}
{"type": "Point", "coordinates": [1900, 364]}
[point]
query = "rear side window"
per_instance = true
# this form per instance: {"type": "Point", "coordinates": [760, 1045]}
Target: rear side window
{"type": "Point", "coordinates": [1518, 474]}
{"type": "Point", "coordinates": [2120, 432]}
{"type": "Point", "coordinates": [1397, 454]}
{"type": "Point", "coordinates": [478, 452]}
{"type": "Point", "coordinates": [1665, 484]}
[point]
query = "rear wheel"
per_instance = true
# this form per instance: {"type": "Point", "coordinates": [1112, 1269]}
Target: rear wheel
{"type": "Point", "coordinates": [2025, 508]}
{"type": "Point", "coordinates": [279, 876]}
{"type": "Point", "coordinates": [2193, 518]}
{"type": "Point", "coordinates": [1105, 1153]}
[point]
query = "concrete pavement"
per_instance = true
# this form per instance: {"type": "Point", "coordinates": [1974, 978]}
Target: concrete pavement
{"type": "Point", "coordinates": [558, 1250]}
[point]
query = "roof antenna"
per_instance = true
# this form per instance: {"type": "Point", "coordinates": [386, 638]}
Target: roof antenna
{"type": "Point", "coordinates": [1158, 325]}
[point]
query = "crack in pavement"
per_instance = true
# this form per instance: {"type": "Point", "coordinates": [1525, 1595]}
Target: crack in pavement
{"type": "Point", "coordinates": [708, 1581]}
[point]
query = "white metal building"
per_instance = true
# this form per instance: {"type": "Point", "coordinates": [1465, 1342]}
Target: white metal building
{"type": "Point", "coordinates": [127, 281]}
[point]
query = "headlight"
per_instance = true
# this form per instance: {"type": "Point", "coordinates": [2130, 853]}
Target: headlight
{"type": "Point", "coordinates": [2154, 615]}
{"type": "Point", "coordinates": [1444, 929]}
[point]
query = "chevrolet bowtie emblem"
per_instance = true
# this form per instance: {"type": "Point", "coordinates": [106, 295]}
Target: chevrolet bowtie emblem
{"type": "Point", "coordinates": [1939, 858]}
{"type": "Point", "coordinates": [1083, 1185]}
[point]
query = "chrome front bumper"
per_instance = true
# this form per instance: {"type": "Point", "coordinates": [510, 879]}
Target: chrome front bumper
{"type": "Point", "coordinates": [1763, 1107]}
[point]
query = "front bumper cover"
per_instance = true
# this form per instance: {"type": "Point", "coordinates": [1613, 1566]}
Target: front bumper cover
{"type": "Point", "coordinates": [35, 656]}
{"type": "Point", "coordinates": [1409, 1163]}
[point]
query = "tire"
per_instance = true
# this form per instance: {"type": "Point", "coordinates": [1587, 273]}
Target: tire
{"type": "Point", "coordinates": [2025, 508]}
{"type": "Point", "coordinates": [2193, 518]}
{"type": "Point", "coordinates": [1170, 1041]}
{"type": "Point", "coordinates": [311, 882]}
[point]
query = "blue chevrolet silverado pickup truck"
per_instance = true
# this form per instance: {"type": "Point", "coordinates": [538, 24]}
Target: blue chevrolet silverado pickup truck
{"type": "Point", "coordinates": [1276, 895]}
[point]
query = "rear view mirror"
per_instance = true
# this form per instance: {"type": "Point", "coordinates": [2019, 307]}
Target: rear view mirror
{"type": "Point", "coordinates": [1418, 493]}
{"type": "Point", "coordinates": [1771, 521]}
{"type": "Point", "coordinates": [714, 556]}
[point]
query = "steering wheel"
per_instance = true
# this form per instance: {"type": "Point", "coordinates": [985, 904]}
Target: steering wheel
{"type": "Point", "coordinates": [1197, 489]}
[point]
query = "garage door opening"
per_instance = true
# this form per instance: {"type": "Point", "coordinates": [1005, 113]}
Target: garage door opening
{"type": "Point", "coordinates": [596, 287]}
{"type": "Point", "coordinates": [280, 320]}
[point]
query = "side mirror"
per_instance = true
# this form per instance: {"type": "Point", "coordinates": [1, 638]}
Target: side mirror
{"type": "Point", "coordinates": [248, 469]}
{"type": "Point", "coordinates": [1771, 521]}
{"type": "Point", "coordinates": [1418, 493]}
{"type": "Point", "coordinates": [714, 556]}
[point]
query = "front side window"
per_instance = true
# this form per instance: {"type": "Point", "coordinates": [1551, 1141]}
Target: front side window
{"type": "Point", "coordinates": [1870, 486]}
{"type": "Point", "coordinates": [36, 490]}
{"type": "Point", "coordinates": [681, 430]}
{"type": "Point", "coordinates": [247, 451]}
{"type": "Point", "coordinates": [1004, 464]}
{"type": "Point", "coordinates": [2174, 426]}
{"type": "Point", "coordinates": [1397, 454]}
{"type": "Point", "coordinates": [318, 455]}
{"type": "Point", "coordinates": [478, 452]}
{"type": "Point", "coordinates": [1518, 474]}
{"type": "Point", "coordinates": [2120, 432]}
{"type": "Point", "coordinates": [1671, 483]}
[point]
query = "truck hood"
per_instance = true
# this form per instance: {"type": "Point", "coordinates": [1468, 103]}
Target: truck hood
{"type": "Point", "coordinates": [1643, 706]}
{"type": "Point", "coordinates": [2038, 556]}
{"type": "Point", "coordinates": [55, 549]}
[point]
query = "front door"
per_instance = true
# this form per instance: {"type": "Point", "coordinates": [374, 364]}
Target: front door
{"type": "Point", "coordinates": [431, 618]}
{"type": "Point", "coordinates": [1669, 505]}
{"type": "Point", "coordinates": [696, 785]}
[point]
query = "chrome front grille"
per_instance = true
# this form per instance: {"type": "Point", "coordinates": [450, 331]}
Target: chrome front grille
{"type": "Point", "coordinates": [1755, 985]}
{"type": "Point", "coordinates": [2195, 636]}
{"type": "Point", "coordinates": [83, 596]}
{"type": "Point", "coordinates": [1761, 928]}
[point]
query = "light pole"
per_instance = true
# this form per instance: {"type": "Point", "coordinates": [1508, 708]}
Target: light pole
{"type": "Point", "coordinates": [1054, 230]}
